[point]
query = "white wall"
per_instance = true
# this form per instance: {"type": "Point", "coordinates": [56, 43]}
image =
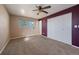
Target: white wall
{"type": "Point", "coordinates": [4, 26]}
{"type": "Point", "coordinates": [60, 28]}
{"type": "Point", "coordinates": [40, 27]}
{"type": "Point", "coordinates": [16, 31]}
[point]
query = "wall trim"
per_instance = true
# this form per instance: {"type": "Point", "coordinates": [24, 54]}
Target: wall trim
{"type": "Point", "coordinates": [75, 46]}
{"type": "Point", "coordinates": [18, 37]}
{"type": "Point", "coordinates": [8, 42]}
{"type": "Point", "coordinates": [62, 42]}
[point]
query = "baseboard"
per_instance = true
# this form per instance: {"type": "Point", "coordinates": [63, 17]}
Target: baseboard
{"type": "Point", "coordinates": [75, 46]}
{"type": "Point", "coordinates": [63, 42]}
{"type": "Point", "coordinates": [4, 46]}
{"type": "Point", "coordinates": [7, 43]}
{"type": "Point", "coordinates": [17, 37]}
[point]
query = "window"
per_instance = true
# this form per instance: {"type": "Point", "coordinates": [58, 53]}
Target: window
{"type": "Point", "coordinates": [24, 23]}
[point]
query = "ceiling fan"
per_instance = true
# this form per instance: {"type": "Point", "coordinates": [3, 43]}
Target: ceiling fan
{"type": "Point", "coordinates": [41, 9]}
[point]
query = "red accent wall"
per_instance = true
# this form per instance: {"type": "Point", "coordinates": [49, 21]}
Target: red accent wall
{"type": "Point", "coordinates": [75, 21]}
{"type": "Point", "coordinates": [44, 27]}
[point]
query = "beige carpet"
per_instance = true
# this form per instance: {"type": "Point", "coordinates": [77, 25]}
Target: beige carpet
{"type": "Point", "coordinates": [38, 45]}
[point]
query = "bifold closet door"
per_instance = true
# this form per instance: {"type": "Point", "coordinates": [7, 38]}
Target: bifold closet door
{"type": "Point", "coordinates": [60, 28]}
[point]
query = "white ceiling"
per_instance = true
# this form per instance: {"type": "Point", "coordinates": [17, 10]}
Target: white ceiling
{"type": "Point", "coordinates": [26, 9]}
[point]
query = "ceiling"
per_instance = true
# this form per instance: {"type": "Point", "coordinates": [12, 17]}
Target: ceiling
{"type": "Point", "coordinates": [26, 9]}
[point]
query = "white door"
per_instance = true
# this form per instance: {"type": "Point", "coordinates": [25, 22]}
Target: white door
{"type": "Point", "coordinates": [60, 28]}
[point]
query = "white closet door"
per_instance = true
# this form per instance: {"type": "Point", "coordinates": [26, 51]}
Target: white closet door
{"type": "Point", "coordinates": [60, 28]}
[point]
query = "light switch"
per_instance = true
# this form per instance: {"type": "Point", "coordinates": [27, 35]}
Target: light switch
{"type": "Point", "coordinates": [75, 26]}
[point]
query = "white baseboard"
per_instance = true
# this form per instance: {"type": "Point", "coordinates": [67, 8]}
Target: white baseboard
{"type": "Point", "coordinates": [65, 43]}
{"type": "Point", "coordinates": [75, 46]}
{"type": "Point", "coordinates": [17, 37]}
{"type": "Point", "coordinates": [4, 46]}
